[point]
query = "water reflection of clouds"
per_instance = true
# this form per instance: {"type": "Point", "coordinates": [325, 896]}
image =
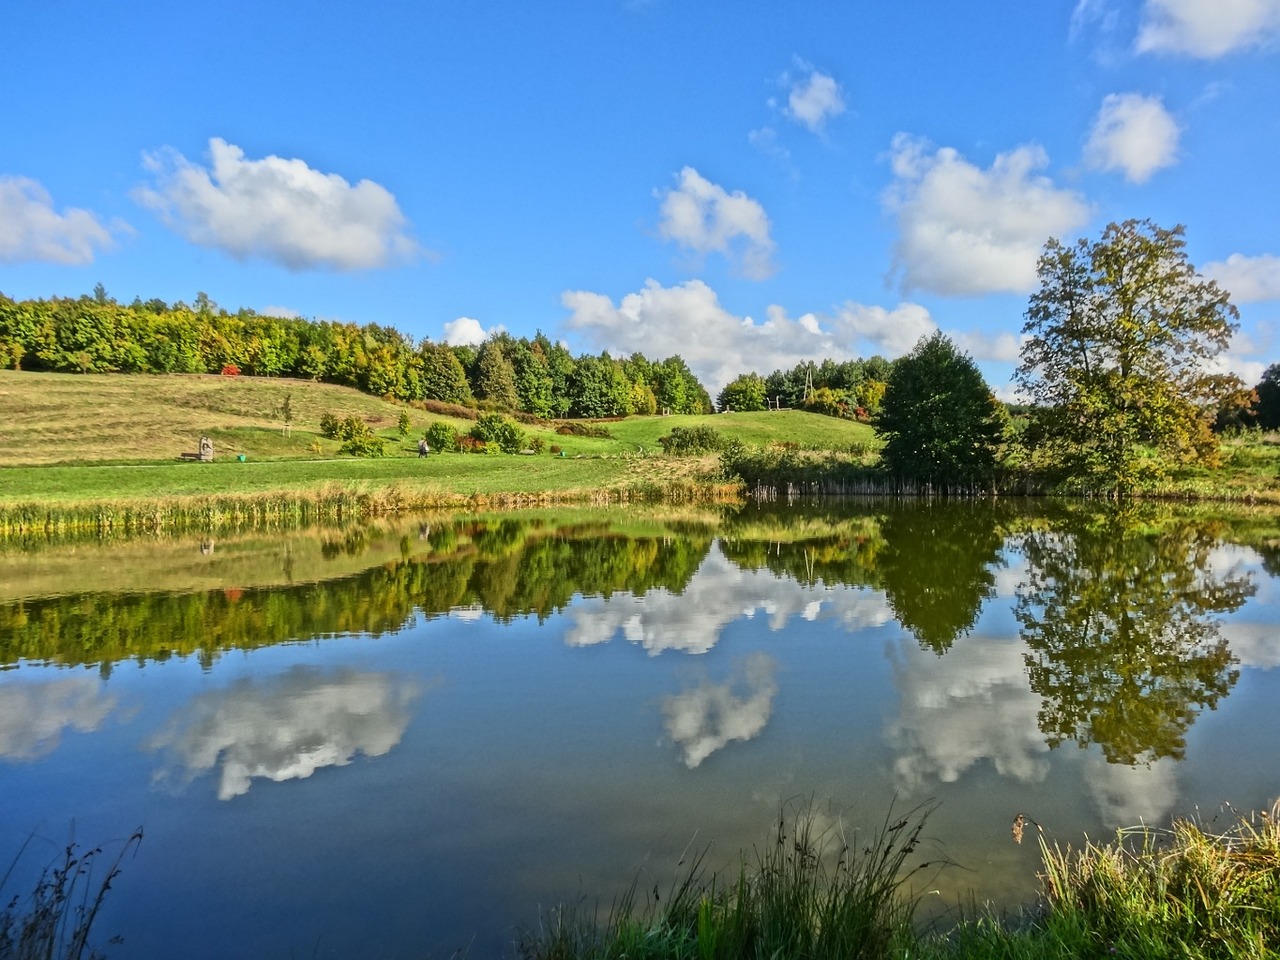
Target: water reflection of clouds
{"type": "Point", "coordinates": [974, 705]}
{"type": "Point", "coordinates": [971, 705]}
{"type": "Point", "coordinates": [709, 716]}
{"type": "Point", "coordinates": [33, 716]}
{"type": "Point", "coordinates": [719, 593]}
{"type": "Point", "coordinates": [285, 728]}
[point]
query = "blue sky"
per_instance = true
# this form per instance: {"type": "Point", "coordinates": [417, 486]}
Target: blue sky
{"type": "Point", "coordinates": [747, 185]}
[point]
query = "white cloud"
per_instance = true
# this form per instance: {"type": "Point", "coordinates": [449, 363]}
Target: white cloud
{"type": "Point", "coordinates": [718, 594]}
{"type": "Point", "coordinates": [966, 231]}
{"type": "Point", "coordinates": [892, 332]}
{"type": "Point", "coordinates": [285, 313]}
{"type": "Point", "coordinates": [1207, 28]}
{"type": "Point", "coordinates": [285, 728]}
{"type": "Point", "coordinates": [1004, 347]}
{"type": "Point", "coordinates": [717, 345]}
{"type": "Point", "coordinates": [33, 716]}
{"type": "Point", "coordinates": [277, 209]}
{"type": "Point", "coordinates": [1133, 134]}
{"type": "Point", "coordinates": [467, 330]}
{"type": "Point", "coordinates": [970, 706]}
{"type": "Point", "coordinates": [31, 230]}
{"type": "Point", "coordinates": [1247, 279]}
{"type": "Point", "coordinates": [815, 99]}
{"type": "Point", "coordinates": [703, 217]}
{"type": "Point", "coordinates": [709, 716]}
{"type": "Point", "coordinates": [1129, 795]}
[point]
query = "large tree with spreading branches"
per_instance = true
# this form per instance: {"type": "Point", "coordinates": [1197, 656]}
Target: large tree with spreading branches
{"type": "Point", "coordinates": [1120, 340]}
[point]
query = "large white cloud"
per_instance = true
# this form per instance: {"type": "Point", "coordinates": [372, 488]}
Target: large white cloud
{"type": "Point", "coordinates": [1247, 279]}
{"type": "Point", "coordinates": [285, 728]}
{"type": "Point", "coordinates": [276, 208]}
{"type": "Point", "coordinates": [710, 716]}
{"type": "Point", "coordinates": [689, 320]}
{"type": "Point", "coordinates": [1133, 134]}
{"type": "Point", "coordinates": [965, 231]}
{"type": "Point", "coordinates": [703, 217]}
{"type": "Point", "coordinates": [814, 99]}
{"type": "Point", "coordinates": [970, 706]}
{"type": "Point", "coordinates": [33, 716]}
{"type": "Point", "coordinates": [1207, 28]}
{"type": "Point", "coordinates": [31, 230]}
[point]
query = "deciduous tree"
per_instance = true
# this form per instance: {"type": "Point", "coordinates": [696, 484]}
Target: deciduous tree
{"type": "Point", "coordinates": [1119, 339]}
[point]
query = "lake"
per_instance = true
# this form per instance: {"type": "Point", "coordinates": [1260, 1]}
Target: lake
{"type": "Point", "coordinates": [411, 737]}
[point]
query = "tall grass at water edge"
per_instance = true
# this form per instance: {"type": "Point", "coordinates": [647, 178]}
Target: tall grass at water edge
{"type": "Point", "coordinates": [1183, 892]}
{"type": "Point", "coordinates": [813, 891]}
{"type": "Point", "coordinates": [54, 921]}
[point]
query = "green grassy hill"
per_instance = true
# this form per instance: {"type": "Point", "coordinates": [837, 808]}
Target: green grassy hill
{"type": "Point", "coordinates": [82, 439]}
{"type": "Point", "coordinates": [51, 418]}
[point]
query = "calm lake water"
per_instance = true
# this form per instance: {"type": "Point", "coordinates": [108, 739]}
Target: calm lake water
{"type": "Point", "coordinates": [407, 738]}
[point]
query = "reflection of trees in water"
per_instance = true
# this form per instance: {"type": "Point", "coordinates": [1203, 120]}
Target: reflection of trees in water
{"type": "Point", "coordinates": [937, 566]}
{"type": "Point", "coordinates": [935, 561]}
{"type": "Point", "coordinates": [510, 568]}
{"type": "Point", "coordinates": [1125, 649]}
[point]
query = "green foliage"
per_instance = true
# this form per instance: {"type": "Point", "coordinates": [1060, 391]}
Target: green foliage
{"type": "Point", "coordinates": [495, 379]}
{"type": "Point", "coordinates": [359, 440]}
{"type": "Point", "coordinates": [691, 441]}
{"type": "Point", "coordinates": [93, 334]}
{"type": "Point", "coordinates": [806, 893]}
{"type": "Point", "coordinates": [329, 425]}
{"type": "Point", "coordinates": [577, 428]}
{"type": "Point", "coordinates": [502, 432]}
{"type": "Point", "coordinates": [441, 437]}
{"type": "Point", "coordinates": [1268, 403]}
{"type": "Point", "coordinates": [827, 402]}
{"type": "Point", "coordinates": [743, 393]}
{"type": "Point", "coordinates": [599, 388]}
{"type": "Point", "coordinates": [405, 424]}
{"type": "Point", "coordinates": [1120, 340]}
{"type": "Point", "coordinates": [940, 422]}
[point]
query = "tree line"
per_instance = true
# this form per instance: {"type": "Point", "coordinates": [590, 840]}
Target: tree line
{"type": "Point", "coordinates": [852, 389]}
{"type": "Point", "coordinates": [95, 334]}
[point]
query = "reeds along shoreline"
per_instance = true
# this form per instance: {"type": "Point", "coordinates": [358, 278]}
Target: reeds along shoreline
{"type": "Point", "coordinates": [1182, 892]}
{"type": "Point", "coordinates": [331, 503]}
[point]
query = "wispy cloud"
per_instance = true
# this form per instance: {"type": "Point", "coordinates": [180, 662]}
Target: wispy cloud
{"type": "Point", "coordinates": [703, 217]}
{"type": "Point", "coordinates": [32, 231]}
{"type": "Point", "coordinates": [1207, 29]}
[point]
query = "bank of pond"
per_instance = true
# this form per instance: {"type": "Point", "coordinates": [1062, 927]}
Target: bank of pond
{"type": "Point", "coordinates": [420, 733]}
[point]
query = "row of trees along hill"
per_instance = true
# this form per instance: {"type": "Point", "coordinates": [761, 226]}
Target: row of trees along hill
{"type": "Point", "coordinates": [1117, 357]}
{"type": "Point", "coordinates": [852, 389]}
{"type": "Point", "coordinates": [95, 334]}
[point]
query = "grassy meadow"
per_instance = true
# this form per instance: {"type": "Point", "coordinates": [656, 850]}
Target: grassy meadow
{"type": "Point", "coordinates": [70, 439]}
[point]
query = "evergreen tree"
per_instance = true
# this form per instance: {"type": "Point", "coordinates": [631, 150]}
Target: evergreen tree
{"type": "Point", "coordinates": [940, 422]}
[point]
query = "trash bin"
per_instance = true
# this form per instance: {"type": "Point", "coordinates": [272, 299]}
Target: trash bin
{"type": "Point", "coordinates": [241, 457]}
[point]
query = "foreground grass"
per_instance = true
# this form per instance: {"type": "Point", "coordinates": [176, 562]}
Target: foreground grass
{"type": "Point", "coordinates": [1150, 894]}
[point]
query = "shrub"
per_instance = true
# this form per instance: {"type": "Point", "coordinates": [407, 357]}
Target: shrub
{"type": "Point", "coordinates": [556, 449]}
{"type": "Point", "coordinates": [329, 426]}
{"type": "Point", "coordinates": [469, 444]}
{"type": "Point", "coordinates": [231, 370]}
{"type": "Point", "coordinates": [502, 431]}
{"type": "Point", "coordinates": [537, 444]}
{"type": "Point", "coordinates": [441, 437]}
{"type": "Point", "coordinates": [359, 440]}
{"type": "Point", "coordinates": [448, 409]}
{"type": "Point", "coordinates": [577, 428]}
{"type": "Point", "coordinates": [405, 424]}
{"type": "Point", "coordinates": [690, 441]}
